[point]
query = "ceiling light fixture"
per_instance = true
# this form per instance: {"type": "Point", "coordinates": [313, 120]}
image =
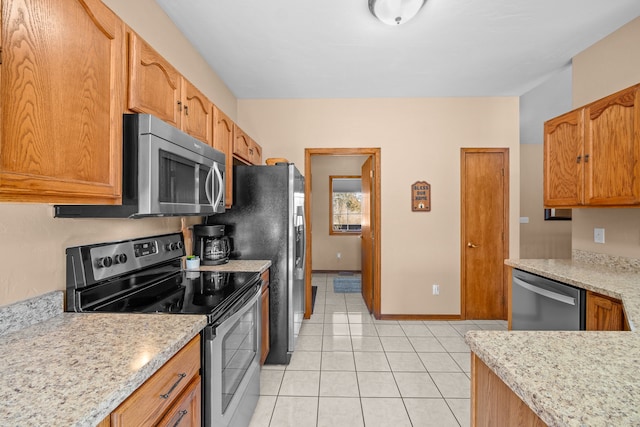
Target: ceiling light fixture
{"type": "Point", "coordinates": [395, 12]}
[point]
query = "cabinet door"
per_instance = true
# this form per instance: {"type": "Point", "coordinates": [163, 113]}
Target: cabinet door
{"type": "Point", "coordinates": [154, 85]}
{"type": "Point", "coordinates": [563, 160]}
{"type": "Point", "coordinates": [603, 313]}
{"type": "Point", "coordinates": [256, 153]}
{"type": "Point", "coordinates": [612, 150]}
{"type": "Point", "coordinates": [61, 95]}
{"type": "Point", "coordinates": [223, 141]}
{"type": "Point", "coordinates": [241, 144]}
{"type": "Point", "coordinates": [197, 117]}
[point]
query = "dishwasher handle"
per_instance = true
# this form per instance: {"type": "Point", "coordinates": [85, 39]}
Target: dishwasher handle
{"type": "Point", "coordinates": [545, 293]}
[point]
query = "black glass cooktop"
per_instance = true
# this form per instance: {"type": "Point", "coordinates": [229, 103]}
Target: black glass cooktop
{"type": "Point", "coordinates": [167, 290]}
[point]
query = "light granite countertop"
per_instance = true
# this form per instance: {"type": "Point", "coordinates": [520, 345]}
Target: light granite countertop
{"type": "Point", "coordinates": [73, 369]}
{"type": "Point", "coordinates": [236, 265]}
{"type": "Point", "coordinates": [573, 378]}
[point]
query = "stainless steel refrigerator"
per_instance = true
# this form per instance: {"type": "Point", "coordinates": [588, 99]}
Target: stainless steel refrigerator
{"type": "Point", "coordinates": [267, 221]}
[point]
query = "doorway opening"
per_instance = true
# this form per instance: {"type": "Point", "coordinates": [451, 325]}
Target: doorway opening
{"type": "Point", "coordinates": [370, 224]}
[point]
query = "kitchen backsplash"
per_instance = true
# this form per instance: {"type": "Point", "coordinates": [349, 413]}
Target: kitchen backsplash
{"type": "Point", "coordinates": [34, 242]}
{"type": "Point", "coordinates": [612, 261]}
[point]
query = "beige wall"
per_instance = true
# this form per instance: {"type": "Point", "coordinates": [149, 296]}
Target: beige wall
{"type": "Point", "coordinates": [326, 246]}
{"type": "Point", "coordinates": [538, 238]}
{"type": "Point", "coordinates": [32, 241]}
{"type": "Point", "coordinates": [606, 67]}
{"type": "Point", "coordinates": [420, 139]}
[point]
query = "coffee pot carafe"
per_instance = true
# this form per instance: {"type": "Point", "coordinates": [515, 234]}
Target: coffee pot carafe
{"type": "Point", "coordinates": [210, 244]}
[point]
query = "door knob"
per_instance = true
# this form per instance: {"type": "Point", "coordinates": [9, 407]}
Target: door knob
{"type": "Point", "coordinates": [471, 245]}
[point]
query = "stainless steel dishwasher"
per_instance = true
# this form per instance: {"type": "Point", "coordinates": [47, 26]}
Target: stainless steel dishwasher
{"type": "Point", "coordinates": [538, 304]}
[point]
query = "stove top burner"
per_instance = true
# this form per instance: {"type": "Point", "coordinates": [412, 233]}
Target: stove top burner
{"type": "Point", "coordinates": [155, 284]}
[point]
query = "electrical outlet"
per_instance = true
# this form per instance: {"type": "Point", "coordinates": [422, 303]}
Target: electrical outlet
{"type": "Point", "coordinates": [338, 255]}
{"type": "Point", "coordinates": [436, 289]}
{"type": "Point", "coordinates": [598, 235]}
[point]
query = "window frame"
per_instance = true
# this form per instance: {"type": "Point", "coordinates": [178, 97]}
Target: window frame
{"type": "Point", "coordinates": [333, 232]}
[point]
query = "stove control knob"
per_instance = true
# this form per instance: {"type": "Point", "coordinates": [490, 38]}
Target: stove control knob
{"type": "Point", "coordinates": [105, 262]}
{"type": "Point", "coordinates": [179, 245]}
{"type": "Point", "coordinates": [120, 258]}
{"type": "Point", "coordinates": [169, 246]}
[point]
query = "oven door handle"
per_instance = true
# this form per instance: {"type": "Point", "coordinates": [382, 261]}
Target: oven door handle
{"type": "Point", "coordinates": [221, 327]}
{"type": "Point", "coordinates": [545, 293]}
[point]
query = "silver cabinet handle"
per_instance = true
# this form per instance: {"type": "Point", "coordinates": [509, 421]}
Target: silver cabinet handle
{"type": "Point", "coordinates": [182, 414]}
{"type": "Point", "coordinates": [173, 387]}
{"type": "Point", "coordinates": [545, 293]}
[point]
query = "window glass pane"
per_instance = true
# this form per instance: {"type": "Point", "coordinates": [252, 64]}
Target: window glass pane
{"type": "Point", "coordinates": [346, 204]}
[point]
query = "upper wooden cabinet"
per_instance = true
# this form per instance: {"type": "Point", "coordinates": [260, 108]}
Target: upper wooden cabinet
{"type": "Point", "coordinates": [592, 154]}
{"type": "Point", "coordinates": [156, 87]}
{"type": "Point", "coordinates": [612, 149]}
{"type": "Point", "coordinates": [61, 92]}
{"type": "Point", "coordinates": [245, 148]}
{"type": "Point", "coordinates": [563, 170]}
{"type": "Point", "coordinates": [197, 119]}
{"type": "Point", "coordinates": [223, 141]}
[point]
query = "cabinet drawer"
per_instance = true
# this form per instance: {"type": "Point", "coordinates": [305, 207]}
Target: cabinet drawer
{"type": "Point", "coordinates": [149, 402]}
{"type": "Point", "coordinates": [186, 411]}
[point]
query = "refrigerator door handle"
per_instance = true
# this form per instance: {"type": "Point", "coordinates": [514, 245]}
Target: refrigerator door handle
{"type": "Point", "coordinates": [301, 242]}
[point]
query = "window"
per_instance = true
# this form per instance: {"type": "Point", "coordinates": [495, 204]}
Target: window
{"type": "Point", "coordinates": [345, 204]}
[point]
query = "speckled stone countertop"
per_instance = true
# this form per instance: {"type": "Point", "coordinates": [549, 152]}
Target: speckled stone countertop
{"type": "Point", "coordinates": [73, 369]}
{"type": "Point", "coordinates": [573, 378]}
{"type": "Point", "coordinates": [239, 265]}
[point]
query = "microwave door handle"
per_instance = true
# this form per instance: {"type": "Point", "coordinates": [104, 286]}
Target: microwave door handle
{"type": "Point", "coordinates": [207, 188]}
{"type": "Point", "coordinates": [220, 186]}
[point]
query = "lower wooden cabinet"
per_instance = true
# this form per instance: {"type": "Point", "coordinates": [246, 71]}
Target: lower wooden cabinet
{"type": "Point", "coordinates": [172, 396]}
{"type": "Point", "coordinates": [493, 403]}
{"type": "Point", "coordinates": [265, 317]}
{"type": "Point", "coordinates": [604, 313]}
{"type": "Point", "coordinates": [186, 411]}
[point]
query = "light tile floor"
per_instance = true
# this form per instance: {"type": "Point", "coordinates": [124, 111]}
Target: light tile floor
{"type": "Point", "coordinates": [351, 370]}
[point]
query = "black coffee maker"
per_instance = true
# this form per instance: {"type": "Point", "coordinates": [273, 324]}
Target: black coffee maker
{"type": "Point", "coordinates": [210, 244]}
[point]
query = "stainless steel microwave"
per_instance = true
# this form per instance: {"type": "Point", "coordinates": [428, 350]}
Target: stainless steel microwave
{"type": "Point", "coordinates": [165, 172]}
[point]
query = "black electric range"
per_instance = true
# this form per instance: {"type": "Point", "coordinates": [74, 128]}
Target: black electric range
{"type": "Point", "coordinates": [145, 276]}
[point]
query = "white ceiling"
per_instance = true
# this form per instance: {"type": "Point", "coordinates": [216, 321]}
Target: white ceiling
{"type": "Point", "coordinates": [337, 49]}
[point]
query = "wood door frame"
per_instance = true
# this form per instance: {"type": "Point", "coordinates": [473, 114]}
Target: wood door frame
{"type": "Point", "coordinates": [505, 224]}
{"type": "Point", "coordinates": [377, 228]}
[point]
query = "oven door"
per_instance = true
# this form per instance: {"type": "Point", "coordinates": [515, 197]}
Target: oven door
{"type": "Point", "coordinates": [174, 180]}
{"type": "Point", "coordinates": [232, 366]}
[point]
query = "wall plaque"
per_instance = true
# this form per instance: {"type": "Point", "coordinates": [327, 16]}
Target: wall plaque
{"type": "Point", "coordinates": [421, 196]}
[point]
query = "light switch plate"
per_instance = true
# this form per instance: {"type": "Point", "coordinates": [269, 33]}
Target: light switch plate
{"type": "Point", "coordinates": [598, 235]}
